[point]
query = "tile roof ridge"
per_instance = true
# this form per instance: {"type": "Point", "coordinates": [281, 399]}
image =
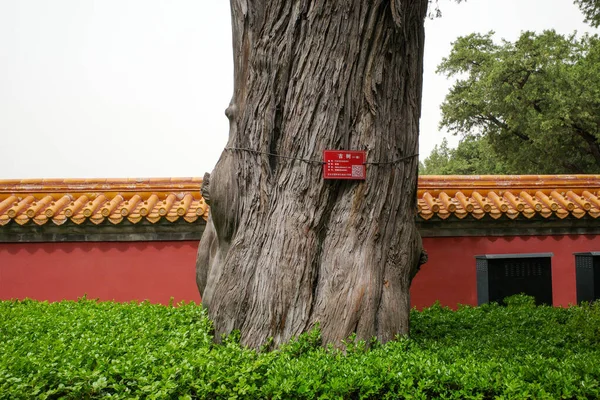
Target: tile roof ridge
{"type": "Point", "coordinates": [484, 183]}
{"type": "Point", "coordinates": [100, 184]}
{"type": "Point", "coordinates": [529, 196]}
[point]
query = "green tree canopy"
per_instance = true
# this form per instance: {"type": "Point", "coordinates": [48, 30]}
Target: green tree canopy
{"type": "Point", "coordinates": [473, 156]}
{"type": "Point", "coordinates": [532, 106]}
{"type": "Point", "coordinates": [590, 10]}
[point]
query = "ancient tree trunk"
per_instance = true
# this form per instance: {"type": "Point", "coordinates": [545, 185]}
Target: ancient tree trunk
{"type": "Point", "coordinates": [284, 249]}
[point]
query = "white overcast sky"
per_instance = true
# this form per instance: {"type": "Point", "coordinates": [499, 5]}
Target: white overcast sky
{"type": "Point", "coordinates": [138, 88]}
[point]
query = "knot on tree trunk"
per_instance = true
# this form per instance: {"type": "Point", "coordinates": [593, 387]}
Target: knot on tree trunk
{"type": "Point", "coordinates": [205, 188]}
{"type": "Point", "coordinates": [423, 258]}
{"type": "Point", "coordinates": [231, 112]}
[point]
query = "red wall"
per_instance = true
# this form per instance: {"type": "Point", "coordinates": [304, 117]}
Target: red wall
{"type": "Point", "coordinates": [157, 271]}
{"type": "Point", "coordinates": [121, 271]}
{"type": "Point", "coordinates": [450, 276]}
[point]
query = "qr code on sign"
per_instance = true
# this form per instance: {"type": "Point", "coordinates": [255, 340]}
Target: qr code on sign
{"type": "Point", "coordinates": [358, 171]}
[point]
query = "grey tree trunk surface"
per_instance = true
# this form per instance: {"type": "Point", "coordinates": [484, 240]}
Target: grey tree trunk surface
{"type": "Point", "coordinates": [285, 249]}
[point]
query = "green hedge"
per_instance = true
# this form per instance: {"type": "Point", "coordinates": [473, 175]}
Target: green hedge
{"type": "Point", "coordinates": [89, 349]}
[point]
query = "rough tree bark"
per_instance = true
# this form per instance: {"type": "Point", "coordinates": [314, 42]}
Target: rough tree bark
{"type": "Point", "coordinates": [283, 249]}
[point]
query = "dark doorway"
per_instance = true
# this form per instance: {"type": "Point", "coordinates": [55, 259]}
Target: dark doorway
{"type": "Point", "coordinates": [503, 275]}
{"type": "Point", "coordinates": [587, 271]}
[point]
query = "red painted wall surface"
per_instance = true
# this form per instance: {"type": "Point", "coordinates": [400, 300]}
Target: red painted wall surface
{"type": "Point", "coordinates": [450, 276]}
{"type": "Point", "coordinates": [121, 271]}
{"type": "Point", "coordinates": [157, 271]}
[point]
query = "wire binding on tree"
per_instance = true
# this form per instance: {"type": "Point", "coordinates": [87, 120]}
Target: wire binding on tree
{"type": "Point", "coordinates": [318, 162]}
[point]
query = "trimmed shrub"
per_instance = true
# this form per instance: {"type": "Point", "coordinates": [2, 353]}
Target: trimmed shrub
{"type": "Point", "coordinates": [88, 350]}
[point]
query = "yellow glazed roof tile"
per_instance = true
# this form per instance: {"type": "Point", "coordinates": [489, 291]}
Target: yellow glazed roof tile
{"type": "Point", "coordinates": [171, 199]}
{"type": "Point", "coordinates": [496, 196]}
{"type": "Point", "coordinates": [97, 200]}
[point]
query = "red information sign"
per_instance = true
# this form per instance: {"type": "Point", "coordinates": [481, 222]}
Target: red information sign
{"type": "Point", "coordinates": [342, 164]}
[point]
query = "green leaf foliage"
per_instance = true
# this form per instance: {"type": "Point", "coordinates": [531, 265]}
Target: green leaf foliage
{"type": "Point", "coordinates": [473, 156]}
{"type": "Point", "coordinates": [591, 11]}
{"type": "Point", "coordinates": [531, 107]}
{"type": "Point", "coordinates": [102, 350]}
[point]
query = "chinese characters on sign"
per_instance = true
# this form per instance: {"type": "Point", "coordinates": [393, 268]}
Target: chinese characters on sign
{"type": "Point", "coordinates": [341, 164]}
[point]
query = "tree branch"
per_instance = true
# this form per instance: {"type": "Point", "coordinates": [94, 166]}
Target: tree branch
{"type": "Point", "coordinates": [590, 140]}
{"type": "Point", "coordinates": [504, 125]}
